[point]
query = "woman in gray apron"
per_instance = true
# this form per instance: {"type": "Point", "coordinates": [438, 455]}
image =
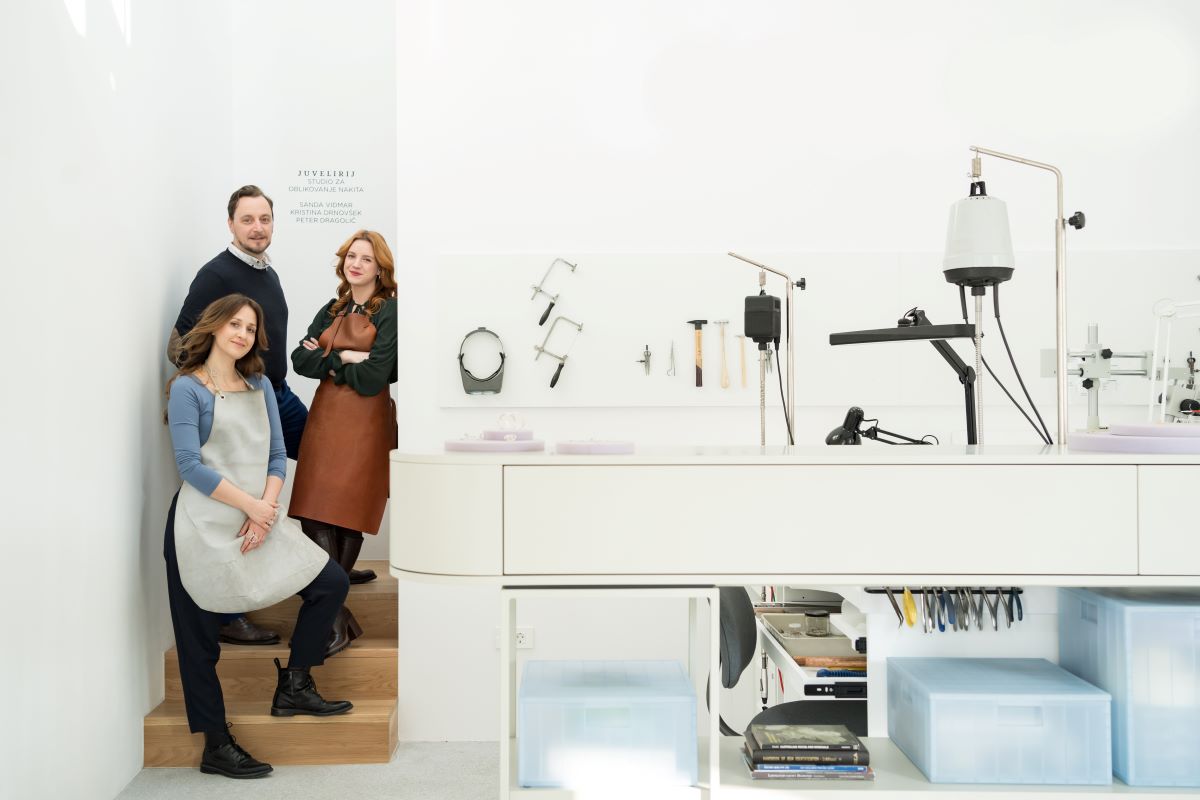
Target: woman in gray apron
{"type": "Point", "coordinates": [228, 544]}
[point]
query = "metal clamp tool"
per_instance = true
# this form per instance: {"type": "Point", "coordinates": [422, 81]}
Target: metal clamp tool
{"type": "Point", "coordinates": [562, 359]}
{"type": "Point", "coordinates": [539, 288]}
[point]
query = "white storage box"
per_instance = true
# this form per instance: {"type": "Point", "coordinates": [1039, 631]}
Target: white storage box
{"type": "Point", "coordinates": [595, 723]}
{"type": "Point", "coordinates": [1143, 647]}
{"type": "Point", "coordinates": [998, 720]}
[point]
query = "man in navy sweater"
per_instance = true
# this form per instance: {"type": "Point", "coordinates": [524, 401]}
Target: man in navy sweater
{"type": "Point", "coordinates": [244, 267]}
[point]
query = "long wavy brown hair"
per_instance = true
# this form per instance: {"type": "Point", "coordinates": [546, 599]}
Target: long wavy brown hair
{"type": "Point", "coordinates": [195, 346]}
{"type": "Point", "coordinates": [385, 281]}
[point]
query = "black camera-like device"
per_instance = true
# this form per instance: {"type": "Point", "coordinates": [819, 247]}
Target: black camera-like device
{"type": "Point", "coordinates": [763, 319]}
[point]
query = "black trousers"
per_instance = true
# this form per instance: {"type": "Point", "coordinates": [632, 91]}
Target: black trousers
{"type": "Point", "coordinates": [196, 634]}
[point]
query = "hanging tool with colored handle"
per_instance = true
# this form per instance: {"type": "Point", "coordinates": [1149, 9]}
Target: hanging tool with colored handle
{"type": "Point", "coordinates": [910, 607]}
{"type": "Point", "coordinates": [699, 324]}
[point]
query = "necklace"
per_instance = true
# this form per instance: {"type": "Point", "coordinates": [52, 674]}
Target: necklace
{"type": "Point", "coordinates": [212, 379]}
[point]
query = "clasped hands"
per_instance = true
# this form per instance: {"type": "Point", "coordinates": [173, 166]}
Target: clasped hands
{"type": "Point", "coordinates": [347, 356]}
{"type": "Point", "coordinates": [260, 516]}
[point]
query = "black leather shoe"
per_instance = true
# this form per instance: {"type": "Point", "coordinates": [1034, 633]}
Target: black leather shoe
{"type": "Point", "coordinates": [297, 694]}
{"type": "Point", "coordinates": [243, 631]}
{"type": "Point", "coordinates": [224, 756]}
{"type": "Point", "coordinates": [362, 575]}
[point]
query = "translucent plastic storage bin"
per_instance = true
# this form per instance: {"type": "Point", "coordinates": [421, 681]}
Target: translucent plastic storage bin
{"type": "Point", "coordinates": [589, 723]}
{"type": "Point", "coordinates": [1143, 647]}
{"type": "Point", "coordinates": [998, 720]}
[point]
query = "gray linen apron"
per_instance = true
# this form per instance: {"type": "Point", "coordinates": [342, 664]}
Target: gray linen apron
{"type": "Point", "coordinates": [212, 567]}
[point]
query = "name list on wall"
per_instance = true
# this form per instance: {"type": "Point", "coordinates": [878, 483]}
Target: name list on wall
{"type": "Point", "coordinates": [325, 197]}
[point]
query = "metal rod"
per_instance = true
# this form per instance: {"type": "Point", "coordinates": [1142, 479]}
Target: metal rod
{"type": "Point", "coordinates": [1093, 422]}
{"type": "Point", "coordinates": [1060, 283]}
{"type": "Point", "coordinates": [791, 355]}
{"type": "Point", "coordinates": [979, 367]}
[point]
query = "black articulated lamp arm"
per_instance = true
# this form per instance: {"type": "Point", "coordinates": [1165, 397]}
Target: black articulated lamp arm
{"type": "Point", "coordinates": [914, 325]}
{"type": "Point", "coordinates": [874, 432]}
{"type": "Point", "coordinates": [966, 374]}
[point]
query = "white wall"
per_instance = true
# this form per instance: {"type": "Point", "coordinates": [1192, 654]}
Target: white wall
{"type": "Point", "coordinates": [791, 129]}
{"type": "Point", "coordinates": [108, 107]}
{"type": "Point", "coordinates": [314, 92]}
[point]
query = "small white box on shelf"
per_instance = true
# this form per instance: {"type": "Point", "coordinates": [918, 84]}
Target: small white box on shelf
{"type": "Point", "coordinates": [592, 723]}
{"type": "Point", "coordinates": [1143, 647]}
{"type": "Point", "coordinates": [999, 720]}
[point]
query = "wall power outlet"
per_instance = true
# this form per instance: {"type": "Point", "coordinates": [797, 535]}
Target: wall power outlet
{"type": "Point", "coordinates": [522, 638]}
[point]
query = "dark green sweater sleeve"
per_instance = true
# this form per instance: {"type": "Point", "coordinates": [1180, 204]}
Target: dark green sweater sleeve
{"type": "Point", "coordinates": [373, 375]}
{"type": "Point", "coordinates": [311, 363]}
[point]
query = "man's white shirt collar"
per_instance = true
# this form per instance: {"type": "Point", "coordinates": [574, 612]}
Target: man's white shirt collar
{"type": "Point", "coordinates": [246, 258]}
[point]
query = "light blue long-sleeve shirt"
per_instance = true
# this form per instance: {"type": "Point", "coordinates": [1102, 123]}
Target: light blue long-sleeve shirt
{"type": "Point", "coordinates": [190, 414]}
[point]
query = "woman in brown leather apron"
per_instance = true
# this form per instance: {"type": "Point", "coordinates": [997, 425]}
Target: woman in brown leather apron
{"type": "Point", "coordinates": [341, 484]}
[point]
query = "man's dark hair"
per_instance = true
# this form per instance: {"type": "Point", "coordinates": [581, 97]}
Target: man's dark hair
{"type": "Point", "coordinates": [248, 191]}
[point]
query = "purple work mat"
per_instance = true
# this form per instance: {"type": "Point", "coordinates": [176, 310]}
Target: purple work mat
{"type": "Point", "coordinates": [504, 436]}
{"type": "Point", "coordinates": [488, 446]}
{"type": "Point", "coordinates": [1166, 429]}
{"type": "Point", "coordinates": [593, 448]}
{"type": "Point", "coordinates": [1083, 442]}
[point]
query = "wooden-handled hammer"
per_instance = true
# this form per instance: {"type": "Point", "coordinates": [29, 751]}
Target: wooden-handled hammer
{"type": "Point", "coordinates": [699, 324]}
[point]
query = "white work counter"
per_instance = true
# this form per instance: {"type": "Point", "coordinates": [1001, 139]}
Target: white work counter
{"type": "Point", "coordinates": [678, 522]}
{"type": "Point", "coordinates": [773, 515]}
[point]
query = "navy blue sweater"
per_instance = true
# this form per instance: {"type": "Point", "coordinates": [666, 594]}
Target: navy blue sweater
{"type": "Point", "coordinates": [226, 274]}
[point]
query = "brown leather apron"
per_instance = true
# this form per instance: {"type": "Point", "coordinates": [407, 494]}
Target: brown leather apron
{"type": "Point", "coordinates": [342, 468]}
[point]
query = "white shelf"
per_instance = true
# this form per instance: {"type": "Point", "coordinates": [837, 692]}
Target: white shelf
{"type": "Point", "coordinates": [895, 775]}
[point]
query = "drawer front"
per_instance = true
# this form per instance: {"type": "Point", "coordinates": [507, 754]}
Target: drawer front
{"type": "Point", "coordinates": [733, 519]}
{"type": "Point", "coordinates": [446, 518]}
{"type": "Point", "coordinates": [1168, 543]}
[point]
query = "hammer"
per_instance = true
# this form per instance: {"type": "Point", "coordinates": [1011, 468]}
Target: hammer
{"type": "Point", "coordinates": [699, 324]}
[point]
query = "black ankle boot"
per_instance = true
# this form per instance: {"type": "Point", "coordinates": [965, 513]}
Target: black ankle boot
{"type": "Point", "coordinates": [345, 630]}
{"type": "Point", "coordinates": [349, 545]}
{"type": "Point", "coordinates": [323, 536]}
{"type": "Point", "coordinates": [224, 756]}
{"type": "Point", "coordinates": [297, 694]}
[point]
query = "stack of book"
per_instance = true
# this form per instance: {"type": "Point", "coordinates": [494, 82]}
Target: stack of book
{"type": "Point", "coordinates": [806, 752]}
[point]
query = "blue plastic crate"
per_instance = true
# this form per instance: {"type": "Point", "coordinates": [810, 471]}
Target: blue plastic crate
{"type": "Point", "coordinates": [998, 720]}
{"type": "Point", "coordinates": [1143, 647]}
{"type": "Point", "coordinates": [592, 723]}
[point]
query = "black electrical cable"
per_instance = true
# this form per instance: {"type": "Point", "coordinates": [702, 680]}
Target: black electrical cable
{"type": "Point", "coordinates": [962, 293]}
{"type": "Point", "coordinates": [1013, 361]}
{"type": "Point", "coordinates": [1015, 403]}
{"type": "Point", "coordinates": [782, 398]}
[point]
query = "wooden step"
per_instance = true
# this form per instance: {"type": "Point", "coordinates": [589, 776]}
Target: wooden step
{"type": "Point", "coordinates": [365, 670]}
{"type": "Point", "coordinates": [373, 605]}
{"type": "Point", "coordinates": [365, 735]}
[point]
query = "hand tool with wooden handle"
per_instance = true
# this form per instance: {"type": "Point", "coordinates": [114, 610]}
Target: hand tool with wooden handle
{"type": "Point", "coordinates": [699, 324]}
{"type": "Point", "coordinates": [724, 361]}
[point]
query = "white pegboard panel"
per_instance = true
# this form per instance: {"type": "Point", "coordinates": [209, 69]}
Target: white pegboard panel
{"type": "Point", "coordinates": [628, 301]}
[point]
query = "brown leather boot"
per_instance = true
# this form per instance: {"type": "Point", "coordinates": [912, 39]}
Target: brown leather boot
{"type": "Point", "coordinates": [345, 627]}
{"type": "Point", "coordinates": [349, 545]}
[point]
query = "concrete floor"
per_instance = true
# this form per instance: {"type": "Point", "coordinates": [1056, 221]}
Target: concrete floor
{"type": "Point", "coordinates": [418, 771]}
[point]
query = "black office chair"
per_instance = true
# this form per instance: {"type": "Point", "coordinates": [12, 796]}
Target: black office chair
{"type": "Point", "coordinates": [739, 646]}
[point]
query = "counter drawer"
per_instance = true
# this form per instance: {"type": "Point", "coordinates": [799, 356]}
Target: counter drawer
{"type": "Point", "coordinates": [887, 519]}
